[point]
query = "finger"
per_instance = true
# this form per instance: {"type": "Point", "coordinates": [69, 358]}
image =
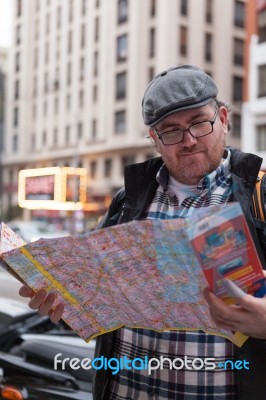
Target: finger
{"type": "Point", "coordinates": [222, 324]}
{"type": "Point", "coordinates": [38, 299]}
{"type": "Point", "coordinates": [47, 304]}
{"type": "Point", "coordinates": [25, 291]}
{"type": "Point", "coordinates": [57, 313]}
{"type": "Point", "coordinates": [232, 289]}
{"type": "Point", "coordinates": [220, 310]}
{"type": "Point", "coordinates": [253, 304]}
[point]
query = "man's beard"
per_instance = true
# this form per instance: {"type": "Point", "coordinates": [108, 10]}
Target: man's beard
{"type": "Point", "coordinates": [194, 172]}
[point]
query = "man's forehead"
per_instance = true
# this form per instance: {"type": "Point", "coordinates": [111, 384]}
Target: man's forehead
{"type": "Point", "coordinates": [183, 117]}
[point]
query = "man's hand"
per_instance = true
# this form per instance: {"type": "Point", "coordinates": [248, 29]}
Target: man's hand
{"type": "Point", "coordinates": [248, 317]}
{"type": "Point", "coordinates": [43, 302]}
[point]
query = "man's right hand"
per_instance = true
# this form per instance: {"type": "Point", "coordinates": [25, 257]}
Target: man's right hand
{"type": "Point", "coordinates": [43, 302]}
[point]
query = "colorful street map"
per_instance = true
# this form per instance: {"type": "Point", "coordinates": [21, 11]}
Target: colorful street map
{"type": "Point", "coordinates": [139, 274]}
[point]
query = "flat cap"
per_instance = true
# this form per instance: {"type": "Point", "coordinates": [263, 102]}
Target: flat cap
{"type": "Point", "coordinates": [176, 89]}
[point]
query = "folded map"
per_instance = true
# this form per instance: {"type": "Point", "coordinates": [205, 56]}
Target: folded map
{"type": "Point", "coordinates": [147, 274]}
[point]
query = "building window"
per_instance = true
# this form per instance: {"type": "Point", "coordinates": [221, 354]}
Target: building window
{"type": "Point", "coordinates": [262, 25]}
{"type": "Point", "coordinates": [17, 89]}
{"type": "Point", "coordinates": [152, 42]}
{"type": "Point", "coordinates": [121, 84]}
{"type": "Point", "coordinates": [67, 134]}
{"type": "Point", "coordinates": [56, 105]}
{"type": "Point", "coordinates": [184, 7]}
{"type": "Point", "coordinates": [55, 136]}
{"type": "Point", "coordinates": [209, 11]}
{"type": "Point", "coordinates": [262, 80]}
{"type": "Point", "coordinates": [44, 138]}
{"type": "Point", "coordinates": [151, 74]}
{"type": "Point", "coordinates": [237, 88]}
{"type": "Point", "coordinates": [69, 42]}
{"type": "Point", "coordinates": [45, 108]}
{"type": "Point", "coordinates": [96, 29]}
{"type": "Point", "coordinates": [122, 48]}
{"type": "Point", "coordinates": [15, 117]}
{"type": "Point", "coordinates": [238, 51]}
{"type": "Point", "coordinates": [33, 141]}
{"type": "Point", "coordinates": [37, 6]}
{"type": "Point", "coordinates": [34, 112]}
{"type": "Point", "coordinates": [81, 98]}
{"type": "Point", "coordinates": [68, 102]}
{"type": "Point", "coordinates": [93, 168]}
{"type": "Point", "coordinates": [236, 122]}
{"type": "Point", "coordinates": [183, 40]}
{"type": "Point", "coordinates": [126, 160]}
{"type": "Point", "coordinates": [95, 93]}
{"type": "Point", "coordinates": [81, 69]}
{"type": "Point", "coordinates": [18, 34]}
{"type": "Point", "coordinates": [35, 86]}
{"type": "Point", "coordinates": [46, 83]}
{"type": "Point", "coordinates": [153, 8]}
{"type": "Point", "coordinates": [82, 36]}
{"type": "Point", "coordinates": [69, 73]}
{"type": "Point", "coordinates": [70, 11]}
{"type": "Point", "coordinates": [94, 128]}
{"type": "Point", "coordinates": [95, 63]}
{"type": "Point", "coordinates": [122, 14]}
{"type": "Point", "coordinates": [58, 18]}
{"type": "Point", "coordinates": [120, 122]}
{"type": "Point", "coordinates": [17, 62]}
{"type": "Point", "coordinates": [56, 83]}
{"type": "Point", "coordinates": [15, 143]}
{"type": "Point", "coordinates": [19, 9]}
{"type": "Point", "coordinates": [46, 53]}
{"type": "Point", "coordinates": [57, 52]}
{"type": "Point", "coordinates": [36, 57]}
{"type": "Point", "coordinates": [108, 168]}
{"type": "Point", "coordinates": [47, 23]}
{"type": "Point", "coordinates": [83, 8]}
{"type": "Point", "coordinates": [36, 29]}
{"type": "Point", "coordinates": [239, 17]}
{"type": "Point", "coordinates": [80, 130]}
{"type": "Point", "coordinates": [208, 47]}
{"type": "Point", "coordinates": [261, 137]}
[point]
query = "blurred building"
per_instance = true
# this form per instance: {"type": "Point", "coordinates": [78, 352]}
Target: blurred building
{"type": "Point", "coordinates": [254, 107]}
{"type": "Point", "coordinates": [78, 70]}
{"type": "Point", "coordinates": [3, 62]}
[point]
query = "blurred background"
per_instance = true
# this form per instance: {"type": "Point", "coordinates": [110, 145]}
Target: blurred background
{"type": "Point", "coordinates": [72, 76]}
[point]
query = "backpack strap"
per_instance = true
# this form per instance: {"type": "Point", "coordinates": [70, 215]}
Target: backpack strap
{"type": "Point", "coordinates": [259, 197]}
{"type": "Point", "coordinates": [258, 208]}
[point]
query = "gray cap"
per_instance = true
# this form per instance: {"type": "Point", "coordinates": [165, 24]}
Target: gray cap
{"type": "Point", "coordinates": [176, 89]}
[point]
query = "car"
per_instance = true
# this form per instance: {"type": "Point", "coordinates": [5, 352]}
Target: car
{"type": "Point", "coordinates": [31, 231]}
{"type": "Point", "coordinates": [29, 344]}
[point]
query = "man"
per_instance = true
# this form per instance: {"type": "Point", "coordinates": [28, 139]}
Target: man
{"type": "Point", "coordinates": [188, 126]}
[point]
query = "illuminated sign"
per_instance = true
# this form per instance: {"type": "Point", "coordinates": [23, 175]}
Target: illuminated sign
{"type": "Point", "coordinates": [53, 188]}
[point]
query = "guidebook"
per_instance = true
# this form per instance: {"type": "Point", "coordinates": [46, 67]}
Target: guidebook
{"type": "Point", "coordinates": [147, 274]}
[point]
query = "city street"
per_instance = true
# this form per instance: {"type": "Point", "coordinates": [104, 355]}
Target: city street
{"type": "Point", "coordinates": [9, 287]}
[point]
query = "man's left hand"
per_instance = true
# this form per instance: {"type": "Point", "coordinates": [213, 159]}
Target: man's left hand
{"type": "Point", "coordinates": [248, 316]}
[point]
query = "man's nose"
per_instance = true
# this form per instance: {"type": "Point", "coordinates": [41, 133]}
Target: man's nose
{"type": "Point", "coordinates": [188, 139]}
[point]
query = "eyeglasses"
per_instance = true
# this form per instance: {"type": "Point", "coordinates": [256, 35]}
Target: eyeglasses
{"type": "Point", "coordinates": [197, 130]}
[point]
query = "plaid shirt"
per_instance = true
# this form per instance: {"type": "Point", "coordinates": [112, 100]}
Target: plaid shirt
{"type": "Point", "coordinates": [183, 384]}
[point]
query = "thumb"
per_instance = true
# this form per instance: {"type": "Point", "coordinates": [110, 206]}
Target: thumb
{"type": "Point", "coordinates": [244, 300]}
{"type": "Point", "coordinates": [232, 289]}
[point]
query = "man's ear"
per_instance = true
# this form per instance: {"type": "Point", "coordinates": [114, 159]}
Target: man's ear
{"type": "Point", "coordinates": [223, 114]}
{"type": "Point", "coordinates": [152, 134]}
